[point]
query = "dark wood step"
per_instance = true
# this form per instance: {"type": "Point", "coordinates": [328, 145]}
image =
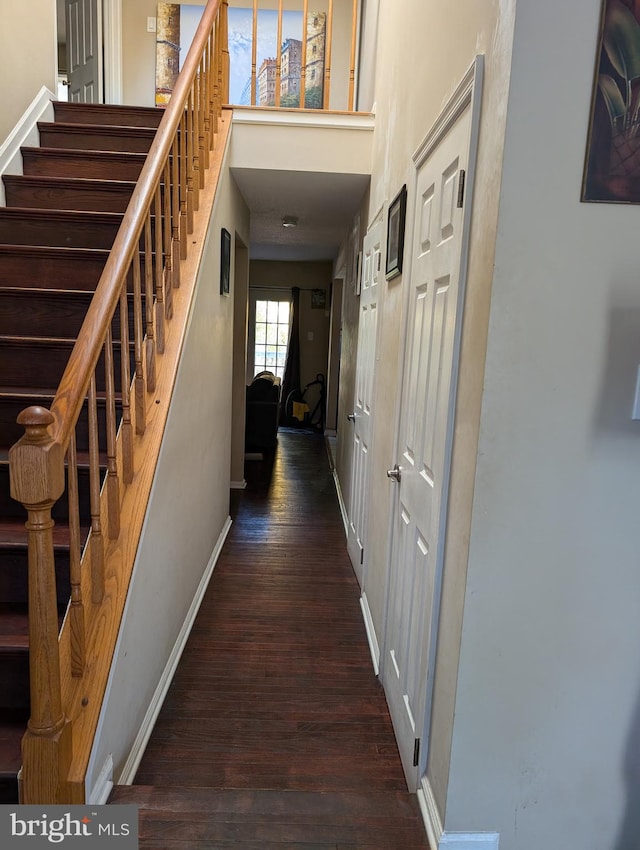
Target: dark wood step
{"type": "Point", "coordinates": [14, 658]}
{"type": "Point", "coordinates": [57, 193]}
{"type": "Point", "coordinates": [101, 165]}
{"type": "Point", "coordinates": [14, 400]}
{"type": "Point", "coordinates": [14, 561]}
{"type": "Point", "coordinates": [205, 817]}
{"type": "Point", "coordinates": [60, 228]}
{"type": "Point", "coordinates": [93, 137]}
{"type": "Point", "coordinates": [12, 727]}
{"type": "Point", "coordinates": [32, 361]}
{"type": "Point", "coordinates": [98, 113]}
{"type": "Point", "coordinates": [12, 510]}
{"type": "Point", "coordinates": [49, 312]}
{"type": "Point", "coordinates": [51, 268]}
{"type": "Point", "coordinates": [54, 267]}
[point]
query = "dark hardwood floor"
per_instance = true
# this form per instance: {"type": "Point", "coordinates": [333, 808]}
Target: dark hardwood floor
{"type": "Point", "coordinates": [275, 732]}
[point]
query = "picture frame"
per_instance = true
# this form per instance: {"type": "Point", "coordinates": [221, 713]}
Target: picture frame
{"type": "Point", "coordinates": [395, 234]}
{"type": "Point", "coordinates": [318, 299]}
{"type": "Point", "coordinates": [225, 261]}
{"type": "Point", "coordinates": [612, 159]}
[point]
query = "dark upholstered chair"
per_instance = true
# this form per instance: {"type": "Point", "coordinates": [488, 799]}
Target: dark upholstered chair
{"type": "Point", "coordinates": [262, 412]}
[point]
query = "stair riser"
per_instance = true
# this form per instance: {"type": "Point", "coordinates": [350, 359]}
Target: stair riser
{"type": "Point", "coordinates": [86, 113]}
{"type": "Point", "coordinates": [96, 139]}
{"type": "Point", "coordinates": [93, 166]}
{"type": "Point", "coordinates": [62, 231]}
{"type": "Point", "coordinates": [14, 566]}
{"type": "Point", "coordinates": [28, 364]}
{"type": "Point", "coordinates": [27, 267]}
{"type": "Point", "coordinates": [14, 668]}
{"type": "Point", "coordinates": [60, 511]}
{"type": "Point", "coordinates": [39, 193]}
{"type": "Point", "coordinates": [56, 314]}
{"type": "Point", "coordinates": [57, 231]}
{"type": "Point", "coordinates": [11, 432]}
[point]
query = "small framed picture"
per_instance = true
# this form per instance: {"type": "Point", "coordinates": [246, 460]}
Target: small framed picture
{"type": "Point", "coordinates": [318, 299]}
{"type": "Point", "coordinates": [395, 234]}
{"type": "Point", "coordinates": [225, 261]}
{"type": "Point", "coordinates": [359, 274]}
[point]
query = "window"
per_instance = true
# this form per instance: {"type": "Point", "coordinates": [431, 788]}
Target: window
{"type": "Point", "coordinates": [271, 335]}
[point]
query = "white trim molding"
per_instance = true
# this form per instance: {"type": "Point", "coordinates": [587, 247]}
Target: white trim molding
{"type": "Point", "coordinates": [137, 751]}
{"type": "Point", "coordinates": [343, 507]}
{"type": "Point", "coordinates": [112, 37]}
{"type": "Point", "coordinates": [100, 792]}
{"type": "Point", "coordinates": [25, 133]}
{"type": "Point", "coordinates": [439, 839]}
{"type": "Point", "coordinates": [430, 813]}
{"type": "Point", "coordinates": [374, 646]}
{"type": "Point", "coordinates": [238, 485]}
{"type": "Point", "coordinates": [469, 841]}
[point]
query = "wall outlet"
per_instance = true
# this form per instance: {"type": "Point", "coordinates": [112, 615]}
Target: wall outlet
{"type": "Point", "coordinates": [151, 24]}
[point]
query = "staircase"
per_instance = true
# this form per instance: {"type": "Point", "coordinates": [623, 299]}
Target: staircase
{"type": "Point", "coordinates": [60, 220]}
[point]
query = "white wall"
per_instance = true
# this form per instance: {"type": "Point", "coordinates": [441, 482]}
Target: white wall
{"type": "Point", "coordinates": [189, 503]}
{"type": "Point", "coordinates": [547, 726]}
{"type": "Point", "coordinates": [424, 49]}
{"type": "Point", "coordinates": [28, 56]}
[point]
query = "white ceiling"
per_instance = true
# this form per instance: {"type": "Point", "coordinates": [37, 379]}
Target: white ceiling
{"type": "Point", "coordinates": [324, 204]}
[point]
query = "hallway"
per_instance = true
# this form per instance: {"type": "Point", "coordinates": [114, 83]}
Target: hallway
{"type": "Point", "coordinates": [275, 732]}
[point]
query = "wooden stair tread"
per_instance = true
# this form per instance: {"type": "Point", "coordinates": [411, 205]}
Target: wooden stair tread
{"type": "Point", "coordinates": [105, 114]}
{"type": "Point", "coordinates": [97, 128]}
{"type": "Point", "coordinates": [29, 393]}
{"type": "Point", "coordinates": [12, 728]}
{"type": "Point", "coordinates": [13, 534]}
{"type": "Point", "coordinates": [76, 154]}
{"type": "Point", "coordinates": [14, 628]}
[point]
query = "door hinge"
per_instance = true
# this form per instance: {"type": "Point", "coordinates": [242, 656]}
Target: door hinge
{"type": "Point", "coordinates": [461, 177]}
{"type": "Point", "coordinates": [362, 555]}
{"type": "Point", "coordinates": [416, 752]}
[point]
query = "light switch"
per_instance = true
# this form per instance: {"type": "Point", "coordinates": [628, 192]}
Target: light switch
{"type": "Point", "coordinates": [151, 24]}
{"type": "Point", "coordinates": [310, 336]}
{"type": "Point", "coordinates": [636, 401]}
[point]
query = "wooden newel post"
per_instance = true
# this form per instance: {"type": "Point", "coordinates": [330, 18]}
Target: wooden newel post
{"type": "Point", "coordinates": [37, 480]}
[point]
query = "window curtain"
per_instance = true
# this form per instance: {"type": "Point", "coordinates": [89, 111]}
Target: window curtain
{"type": "Point", "coordinates": [291, 378]}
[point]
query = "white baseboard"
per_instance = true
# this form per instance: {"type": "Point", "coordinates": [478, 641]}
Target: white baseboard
{"type": "Point", "coordinates": [238, 485]}
{"type": "Point", "coordinates": [99, 794]}
{"type": "Point", "coordinates": [137, 751]}
{"type": "Point", "coordinates": [469, 841]}
{"type": "Point", "coordinates": [441, 840]}
{"type": "Point", "coordinates": [25, 133]}
{"type": "Point", "coordinates": [374, 647]}
{"type": "Point", "coordinates": [430, 813]}
{"type": "Point", "coordinates": [343, 507]}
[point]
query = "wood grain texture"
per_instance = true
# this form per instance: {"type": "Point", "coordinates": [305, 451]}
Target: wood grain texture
{"type": "Point", "coordinates": [82, 698]}
{"type": "Point", "coordinates": [275, 731]}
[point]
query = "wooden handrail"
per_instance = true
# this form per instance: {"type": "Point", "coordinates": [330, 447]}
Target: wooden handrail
{"type": "Point", "coordinates": [158, 217]}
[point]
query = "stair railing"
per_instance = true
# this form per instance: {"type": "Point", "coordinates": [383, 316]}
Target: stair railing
{"type": "Point", "coordinates": [144, 264]}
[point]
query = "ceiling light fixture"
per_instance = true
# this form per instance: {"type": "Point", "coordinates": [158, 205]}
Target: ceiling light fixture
{"type": "Point", "coordinates": [289, 221]}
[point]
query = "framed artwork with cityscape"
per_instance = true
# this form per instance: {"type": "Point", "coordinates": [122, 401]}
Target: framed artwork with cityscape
{"type": "Point", "coordinates": [612, 161]}
{"type": "Point", "coordinates": [176, 26]}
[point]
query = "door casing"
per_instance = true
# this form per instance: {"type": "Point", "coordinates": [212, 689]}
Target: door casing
{"type": "Point", "coordinates": [466, 96]}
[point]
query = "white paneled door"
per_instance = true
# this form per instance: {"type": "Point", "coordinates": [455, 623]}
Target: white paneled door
{"type": "Point", "coordinates": [362, 415]}
{"type": "Point", "coordinates": [84, 50]}
{"type": "Point", "coordinates": [436, 278]}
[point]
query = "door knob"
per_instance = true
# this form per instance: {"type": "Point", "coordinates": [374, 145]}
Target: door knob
{"type": "Point", "coordinates": [351, 417]}
{"type": "Point", "coordinates": [394, 473]}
